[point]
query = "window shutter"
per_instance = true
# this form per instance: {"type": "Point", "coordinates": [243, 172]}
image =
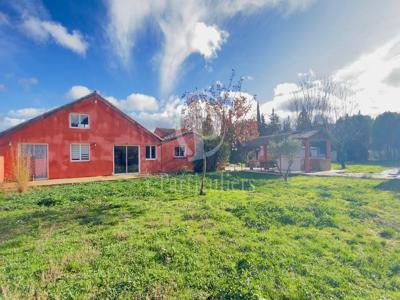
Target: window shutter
{"type": "Point", "coordinates": [84, 152]}
{"type": "Point", "coordinates": [75, 152]}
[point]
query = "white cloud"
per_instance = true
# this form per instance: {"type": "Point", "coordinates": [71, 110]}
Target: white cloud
{"type": "Point", "coordinates": [125, 19]}
{"type": "Point", "coordinates": [138, 102]}
{"type": "Point", "coordinates": [2, 88]}
{"type": "Point", "coordinates": [78, 91]}
{"type": "Point", "coordinates": [187, 26]}
{"type": "Point", "coordinates": [43, 30]}
{"type": "Point", "coordinates": [283, 92]}
{"type": "Point", "coordinates": [169, 115]}
{"type": "Point", "coordinates": [15, 117]}
{"type": "Point", "coordinates": [230, 8]}
{"type": "Point", "coordinates": [133, 102]}
{"type": "Point", "coordinates": [182, 39]}
{"type": "Point", "coordinates": [26, 113]}
{"type": "Point", "coordinates": [26, 83]}
{"type": "Point", "coordinates": [7, 122]}
{"type": "Point", "coordinates": [374, 78]}
{"type": "Point", "coordinates": [149, 112]}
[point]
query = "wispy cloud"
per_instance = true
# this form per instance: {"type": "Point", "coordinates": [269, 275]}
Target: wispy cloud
{"type": "Point", "coordinates": [4, 20]}
{"type": "Point", "coordinates": [2, 87]}
{"type": "Point", "coordinates": [43, 31]}
{"type": "Point", "coordinates": [187, 27]}
{"type": "Point", "coordinates": [35, 22]}
{"type": "Point", "coordinates": [27, 83]}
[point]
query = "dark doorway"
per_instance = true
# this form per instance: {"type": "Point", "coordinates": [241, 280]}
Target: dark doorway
{"type": "Point", "coordinates": [126, 159]}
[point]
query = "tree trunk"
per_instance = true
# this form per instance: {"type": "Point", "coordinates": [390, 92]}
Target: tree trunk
{"type": "Point", "coordinates": [203, 175]}
{"type": "Point", "coordinates": [288, 171]}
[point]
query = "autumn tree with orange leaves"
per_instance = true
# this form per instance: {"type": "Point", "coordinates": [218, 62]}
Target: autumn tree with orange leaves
{"type": "Point", "coordinates": [220, 112]}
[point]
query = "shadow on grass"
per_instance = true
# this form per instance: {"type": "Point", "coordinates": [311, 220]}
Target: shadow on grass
{"type": "Point", "coordinates": [389, 185]}
{"type": "Point", "coordinates": [31, 223]}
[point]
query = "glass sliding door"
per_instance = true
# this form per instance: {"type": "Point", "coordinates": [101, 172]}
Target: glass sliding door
{"type": "Point", "coordinates": [132, 159]}
{"type": "Point", "coordinates": [126, 159]}
{"type": "Point", "coordinates": [36, 156]}
{"type": "Point", "coordinates": [119, 159]}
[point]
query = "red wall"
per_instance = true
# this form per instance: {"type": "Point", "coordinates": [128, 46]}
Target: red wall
{"type": "Point", "coordinates": [173, 164]}
{"type": "Point", "coordinates": [1, 169]}
{"type": "Point", "coordinates": [108, 127]}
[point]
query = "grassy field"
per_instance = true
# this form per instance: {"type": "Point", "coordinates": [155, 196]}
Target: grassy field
{"type": "Point", "coordinates": [368, 167]}
{"type": "Point", "coordinates": [257, 237]}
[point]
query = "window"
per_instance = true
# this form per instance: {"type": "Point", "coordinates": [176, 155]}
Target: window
{"type": "Point", "coordinates": [179, 151]}
{"type": "Point", "coordinates": [80, 152]}
{"type": "Point", "coordinates": [150, 152]}
{"type": "Point", "coordinates": [79, 120]}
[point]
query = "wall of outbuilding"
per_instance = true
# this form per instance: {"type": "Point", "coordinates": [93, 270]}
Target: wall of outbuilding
{"type": "Point", "coordinates": [173, 164]}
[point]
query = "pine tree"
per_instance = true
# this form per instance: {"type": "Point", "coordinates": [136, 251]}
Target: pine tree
{"type": "Point", "coordinates": [261, 125]}
{"type": "Point", "coordinates": [286, 125]}
{"type": "Point", "coordinates": [303, 121]}
{"type": "Point", "coordinates": [274, 125]}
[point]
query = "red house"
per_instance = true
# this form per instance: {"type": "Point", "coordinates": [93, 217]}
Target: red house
{"type": "Point", "coordinates": [91, 137]}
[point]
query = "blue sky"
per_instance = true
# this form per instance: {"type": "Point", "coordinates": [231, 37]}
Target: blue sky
{"type": "Point", "coordinates": [142, 55]}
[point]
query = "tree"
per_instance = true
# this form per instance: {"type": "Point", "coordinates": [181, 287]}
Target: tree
{"type": "Point", "coordinates": [287, 125]}
{"type": "Point", "coordinates": [386, 135]}
{"type": "Point", "coordinates": [246, 130]}
{"type": "Point", "coordinates": [261, 125]}
{"type": "Point", "coordinates": [303, 120]}
{"type": "Point", "coordinates": [351, 138]}
{"type": "Point", "coordinates": [284, 148]}
{"type": "Point", "coordinates": [313, 98]}
{"type": "Point", "coordinates": [221, 110]}
{"type": "Point", "coordinates": [274, 125]}
{"type": "Point", "coordinates": [319, 102]}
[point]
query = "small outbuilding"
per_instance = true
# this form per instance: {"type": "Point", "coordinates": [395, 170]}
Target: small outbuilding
{"type": "Point", "coordinates": [315, 155]}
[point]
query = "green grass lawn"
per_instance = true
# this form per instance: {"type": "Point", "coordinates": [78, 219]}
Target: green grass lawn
{"type": "Point", "coordinates": [368, 167]}
{"type": "Point", "coordinates": [311, 238]}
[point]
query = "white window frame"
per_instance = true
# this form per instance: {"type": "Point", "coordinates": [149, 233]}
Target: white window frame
{"type": "Point", "coordinates": [184, 151]}
{"type": "Point", "coordinates": [79, 117]}
{"type": "Point", "coordinates": [151, 152]}
{"type": "Point", "coordinates": [80, 153]}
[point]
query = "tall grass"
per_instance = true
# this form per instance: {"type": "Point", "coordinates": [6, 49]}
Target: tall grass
{"type": "Point", "coordinates": [22, 172]}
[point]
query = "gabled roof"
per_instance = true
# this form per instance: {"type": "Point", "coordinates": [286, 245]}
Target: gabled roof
{"type": "Point", "coordinates": [163, 132]}
{"type": "Point", "coordinates": [168, 134]}
{"type": "Point", "coordinates": [89, 96]}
